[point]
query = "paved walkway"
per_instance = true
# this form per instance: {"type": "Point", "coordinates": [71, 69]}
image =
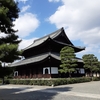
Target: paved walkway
{"type": "Point", "coordinates": [81, 91]}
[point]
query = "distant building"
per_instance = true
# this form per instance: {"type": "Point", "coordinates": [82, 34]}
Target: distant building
{"type": "Point", "coordinates": [42, 58]}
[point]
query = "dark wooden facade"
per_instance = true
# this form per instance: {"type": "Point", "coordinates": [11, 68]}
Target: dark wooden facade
{"type": "Point", "coordinates": [42, 58]}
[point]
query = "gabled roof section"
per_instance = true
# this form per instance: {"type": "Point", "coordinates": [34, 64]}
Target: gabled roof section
{"type": "Point", "coordinates": [39, 58]}
{"type": "Point", "coordinates": [52, 36]}
{"type": "Point", "coordinates": [76, 48]}
{"type": "Point", "coordinates": [36, 58]}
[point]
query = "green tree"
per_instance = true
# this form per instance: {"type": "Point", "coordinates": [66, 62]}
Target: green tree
{"type": "Point", "coordinates": [5, 71]}
{"type": "Point", "coordinates": [9, 52]}
{"type": "Point", "coordinates": [68, 60]}
{"type": "Point", "coordinates": [91, 64]}
{"type": "Point", "coordinates": [99, 68]}
{"type": "Point", "coordinates": [9, 48]}
{"type": "Point", "coordinates": [8, 13]}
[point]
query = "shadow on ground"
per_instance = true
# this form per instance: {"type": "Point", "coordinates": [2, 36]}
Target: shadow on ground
{"type": "Point", "coordinates": [31, 94]}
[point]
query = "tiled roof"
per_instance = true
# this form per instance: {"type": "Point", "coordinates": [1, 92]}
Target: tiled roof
{"type": "Point", "coordinates": [36, 59]}
{"type": "Point", "coordinates": [76, 47]}
{"type": "Point", "coordinates": [39, 58]}
{"type": "Point", "coordinates": [41, 40]}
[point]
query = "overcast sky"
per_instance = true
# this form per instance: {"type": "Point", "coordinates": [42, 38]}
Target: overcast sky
{"type": "Point", "coordinates": [80, 19]}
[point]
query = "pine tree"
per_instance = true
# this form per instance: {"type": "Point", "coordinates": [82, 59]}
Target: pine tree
{"type": "Point", "coordinates": [8, 13]}
{"type": "Point", "coordinates": [68, 61]}
{"type": "Point", "coordinates": [8, 45]}
{"type": "Point", "coordinates": [91, 63]}
{"type": "Point", "coordinates": [8, 53]}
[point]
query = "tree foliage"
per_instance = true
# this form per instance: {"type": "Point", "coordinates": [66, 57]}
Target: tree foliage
{"type": "Point", "coordinates": [5, 71]}
{"type": "Point", "coordinates": [9, 44]}
{"type": "Point", "coordinates": [8, 13]}
{"type": "Point", "coordinates": [9, 52]}
{"type": "Point", "coordinates": [99, 66]}
{"type": "Point", "coordinates": [10, 39]}
{"type": "Point", "coordinates": [9, 48]}
{"type": "Point", "coordinates": [91, 63]}
{"type": "Point", "coordinates": [68, 60]}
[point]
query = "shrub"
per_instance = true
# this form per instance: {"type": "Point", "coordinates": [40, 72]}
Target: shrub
{"type": "Point", "coordinates": [31, 82]}
{"type": "Point", "coordinates": [12, 81]}
{"type": "Point", "coordinates": [26, 82]}
{"type": "Point", "coordinates": [54, 82]}
{"type": "Point", "coordinates": [96, 79]}
{"type": "Point", "coordinates": [0, 81]}
{"type": "Point", "coordinates": [20, 81]}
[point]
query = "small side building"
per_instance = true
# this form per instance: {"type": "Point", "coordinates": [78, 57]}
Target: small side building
{"type": "Point", "coordinates": [42, 57]}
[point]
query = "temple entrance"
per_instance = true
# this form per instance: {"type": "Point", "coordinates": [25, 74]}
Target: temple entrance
{"type": "Point", "coordinates": [46, 70]}
{"type": "Point", "coordinates": [16, 73]}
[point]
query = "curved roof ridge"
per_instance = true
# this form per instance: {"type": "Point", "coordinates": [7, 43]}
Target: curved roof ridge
{"type": "Point", "coordinates": [50, 34]}
{"type": "Point", "coordinates": [42, 39]}
{"type": "Point", "coordinates": [36, 58]}
{"type": "Point", "coordinates": [30, 60]}
{"type": "Point", "coordinates": [28, 46]}
{"type": "Point", "coordinates": [70, 45]}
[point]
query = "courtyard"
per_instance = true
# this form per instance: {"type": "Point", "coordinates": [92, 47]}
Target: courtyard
{"type": "Point", "coordinates": [81, 91]}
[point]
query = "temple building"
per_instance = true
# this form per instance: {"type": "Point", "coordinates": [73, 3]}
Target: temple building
{"type": "Point", "coordinates": [42, 57]}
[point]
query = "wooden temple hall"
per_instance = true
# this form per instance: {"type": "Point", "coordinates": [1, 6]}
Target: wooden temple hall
{"type": "Point", "coordinates": [42, 57]}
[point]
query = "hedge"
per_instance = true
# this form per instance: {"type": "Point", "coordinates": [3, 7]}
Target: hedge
{"type": "Point", "coordinates": [96, 79]}
{"type": "Point", "coordinates": [29, 82]}
{"type": "Point", "coordinates": [50, 82]}
{"type": "Point", "coordinates": [0, 81]}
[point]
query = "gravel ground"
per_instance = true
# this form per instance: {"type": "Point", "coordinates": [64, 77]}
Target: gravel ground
{"type": "Point", "coordinates": [81, 91]}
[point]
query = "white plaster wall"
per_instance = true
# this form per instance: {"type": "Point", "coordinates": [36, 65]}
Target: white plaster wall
{"type": "Point", "coordinates": [46, 68]}
{"type": "Point", "coordinates": [54, 70]}
{"type": "Point", "coordinates": [16, 73]}
{"type": "Point", "coordinates": [82, 71]}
